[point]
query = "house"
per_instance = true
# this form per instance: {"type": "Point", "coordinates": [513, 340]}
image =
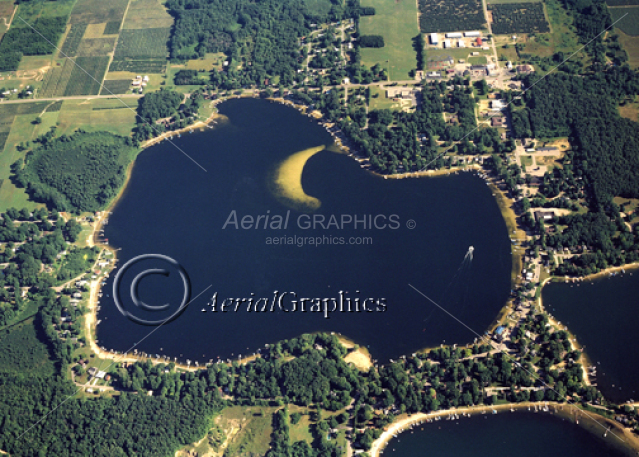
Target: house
{"type": "Point", "coordinates": [497, 122]}
{"type": "Point", "coordinates": [92, 371]}
{"type": "Point", "coordinates": [536, 181]}
{"type": "Point", "coordinates": [544, 215]}
{"type": "Point", "coordinates": [525, 69]}
{"type": "Point", "coordinates": [100, 374]}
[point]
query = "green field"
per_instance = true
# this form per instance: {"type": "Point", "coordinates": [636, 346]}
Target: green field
{"type": "Point", "coordinates": [98, 11]}
{"type": "Point", "coordinates": [630, 22]}
{"type": "Point", "coordinates": [96, 47]}
{"type": "Point", "coordinates": [397, 23]}
{"type": "Point", "coordinates": [478, 60]}
{"type": "Point", "coordinates": [147, 14]}
{"type": "Point", "coordinates": [379, 100]}
{"type": "Point", "coordinates": [86, 76]}
{"type": "Point", "coordinates": [83, 114]}
{"type": "Point", "coordinates": [116, 86]}
{"type": "Point", "coordinates": [142, 43]}
{"type": "Point", "coordinates": [631, 46]}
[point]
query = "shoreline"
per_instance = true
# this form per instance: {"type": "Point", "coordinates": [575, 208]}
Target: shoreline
{"type": "Point", "coordinates": [588, 423]}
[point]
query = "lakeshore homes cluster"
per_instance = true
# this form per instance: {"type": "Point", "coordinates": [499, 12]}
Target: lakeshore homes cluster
{"type": "Point", "coordinates": [457, 39]}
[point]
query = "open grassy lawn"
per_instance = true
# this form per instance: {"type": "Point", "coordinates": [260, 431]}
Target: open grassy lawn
{"type": "Point", "coordinates": [526, 161]}
{"type": "Point", "coordinates": [379, 100]}
{"type": "Point", "coordinates": [630, 22]}
{"type": "Point", "coordinates": [396, 21]}
{"type": "Point", "coordinates": [631, 45]}
{"type": "Point", "coordinates": [247, 431]}
{"type": "Point", "coordinates": [31, 63]}
{"type": "Point", "coordinates": [147, 14]}
{"type": "Point", "coordinates": [210, 60]}
{"type": "Point", "coordinates": [478, 60]}
{"type": "Point", "coordinates": [97, 115]}
{"type": "Point", "coordinates": [630, 111]}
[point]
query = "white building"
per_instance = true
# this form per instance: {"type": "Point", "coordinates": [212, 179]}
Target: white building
{"type": "Point", "coordinates": [434, 39]}
{"type": "Point", "coordinates": [454, 35]}
{"type": "Point", "coordinates": [461, 44]}
{"type": "Point", "coordinates": [509, 65]}
{"type": "Point", "coordinates": [472, 34]}
{"type": "Point", "coordinates": [447, 43]}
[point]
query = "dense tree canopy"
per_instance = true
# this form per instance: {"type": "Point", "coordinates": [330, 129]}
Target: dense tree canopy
{"type": "Point", "coordinates": [82, 172]}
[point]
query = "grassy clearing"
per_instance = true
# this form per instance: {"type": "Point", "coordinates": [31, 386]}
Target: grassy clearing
{"type": "Point", "coordinates": [96, 47]}
{"type": "Point", "coordinates": [31, 63]}
{"type": "Point", "coordinates": [630, 111]}
{"type": "Point", "coordinates": [631, 46]}
{"type": "Point", "coordinates": [630, 22]}
{"type": "Point", "coordinates": [83, 114]}
{"type": "Point", "coordinates": [210, 60]}
{"type": "Point", "coordinates": [247, 431]}
{"type": "Point", "coordinates": [379, 100]}
{"type": "Point", "coordinates": [147, 14]}
{"type": "Point", "coordinates": [94, 30]}
{"type": "Point", "coordinates": [562, 36]}
{"type": "Point", "coordinates": [21, 350]}
{"type": "Point", "coordinates": [98, 11]}
{"type": "Point", "coordinates": [527, 161]}
{"type": "Point", "coordinates": [478, 60]}
{"type": "Point", "coordinates": [397, 23]}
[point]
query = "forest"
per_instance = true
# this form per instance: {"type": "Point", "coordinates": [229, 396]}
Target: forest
{"type": "Point", "coordinates": [21, 40]}
{"type": "Point", "coordinates": [163, 110]}
{"type": "Point", "coordinates": [371, 41]}
{"type": "Point", "coordinates": [76, 173]}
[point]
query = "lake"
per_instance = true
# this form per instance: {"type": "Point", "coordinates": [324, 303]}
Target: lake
{"type": "Point", "coordinates": [521, 434]}
{"type": "Point", "coordinates": [267, 162]}
{"type": "Point", "coordinates": [602, 313]}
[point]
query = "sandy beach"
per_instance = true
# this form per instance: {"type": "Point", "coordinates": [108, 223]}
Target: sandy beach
{"type": "Point", "coordinates": [625, 439]}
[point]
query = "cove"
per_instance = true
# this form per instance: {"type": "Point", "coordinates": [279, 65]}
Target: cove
{"type": "Point", "coordinates": [172, 207]}
{"type": "Point", "coordinates": [602, 313]}
{"type": "Point", "coordinates": [524, 434]}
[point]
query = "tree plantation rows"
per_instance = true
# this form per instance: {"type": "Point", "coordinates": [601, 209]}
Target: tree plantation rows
{"type": "Point", "coordinates": [450, 15]}
{"type": "Point", "coordinates": [82, 172]}
{"type": "Point", "coordinates": [518, 18]}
